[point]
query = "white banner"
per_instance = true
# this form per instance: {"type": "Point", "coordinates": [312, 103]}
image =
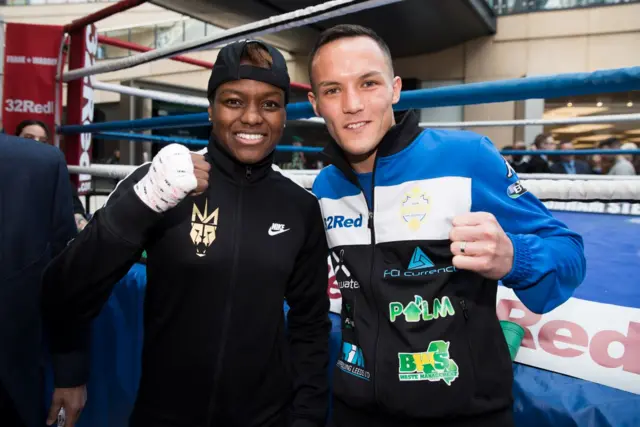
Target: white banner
{"type": "Point", "coordinates": [614, 208]}
{"type": "Point", "coordinates": [589, 340]}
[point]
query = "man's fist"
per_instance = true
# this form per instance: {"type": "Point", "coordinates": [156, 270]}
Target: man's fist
{"type": "Point", "coordinates": [72, 400]}
{"type": "Point", "coordinates": [174, 173]}
{"type": "Point", "coordinates": [479, 244]}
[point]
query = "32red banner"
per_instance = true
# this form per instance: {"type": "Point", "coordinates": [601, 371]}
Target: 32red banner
{"type": "Point", "coordinates": [30, 67]}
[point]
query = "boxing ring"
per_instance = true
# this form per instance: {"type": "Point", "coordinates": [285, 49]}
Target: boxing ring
{"type": "Point", "coordinates": [542, 398]}
{"type": "Point", "coordinates": [604, 210]}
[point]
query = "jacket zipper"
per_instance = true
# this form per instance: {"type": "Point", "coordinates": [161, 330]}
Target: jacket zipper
{"type": "Point", "coordinates": [227, 311]}
{"type": "Point", "coordinates": [371, 278]}
{"type": "Point", "coordinates": [465, 314]}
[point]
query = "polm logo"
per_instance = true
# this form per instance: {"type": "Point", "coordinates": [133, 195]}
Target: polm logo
{"type": "Point", "coordinates": [203, 228]}
{"type": "Point", "coordinates": [351, 361]}
{"type": "Point", "coordinates": [419, 310]}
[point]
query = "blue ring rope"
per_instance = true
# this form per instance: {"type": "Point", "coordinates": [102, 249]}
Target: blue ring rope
{"type": "Point", "coordinates": [572, 84]}
{"type": "Point", "coordinates": [291, 148]}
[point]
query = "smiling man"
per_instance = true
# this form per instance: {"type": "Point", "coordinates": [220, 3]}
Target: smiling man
{"type": "Point", "coordinates": [445, 219]}
{"type": "Point", "coordinates": [228, 238]}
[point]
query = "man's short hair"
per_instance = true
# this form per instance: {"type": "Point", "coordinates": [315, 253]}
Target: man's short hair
{"type": "Point", "coordinates": [344, 31]}
{"type": "Point", "coordinates": [610, 143]}
{"type": "Point", "coordinates": [540, 140]}
{"type": "Point", "coordinates": [31, 122]}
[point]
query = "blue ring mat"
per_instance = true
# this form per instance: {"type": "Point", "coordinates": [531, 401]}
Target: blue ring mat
{"type": "Point", "coordinates": [542, 398]}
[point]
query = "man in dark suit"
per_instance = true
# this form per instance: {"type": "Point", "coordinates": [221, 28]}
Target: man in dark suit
{"type": "Point", "coordinates": [540, 163]}
{"type": "Point", "coordinates": [36, 222]}
{"type": "Point", "coordinates": [568, 164]}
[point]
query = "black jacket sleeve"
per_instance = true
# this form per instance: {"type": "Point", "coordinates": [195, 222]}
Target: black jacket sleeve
{"type": "Point", "coordinates": [79, 280]}
{"type": "Point", "coordinates": [309, 327]}
{"type": "Point", "coordinates": [63, 225]}
{"type": "Point", "coordinates": [69, 368]}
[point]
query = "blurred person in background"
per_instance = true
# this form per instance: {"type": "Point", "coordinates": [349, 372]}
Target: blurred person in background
{"type": "Point", "coordinates": [608, 160]}
{"type": "Point", "coordinates": [37, 223]}
{"type": "Point", "coordinates": [568, 164]}
{"type": "Point", "coordinates": [629, 158]}
{"type": "Point", "coordinates": [624, 162]}
{"type": "Point", "coordinates": [114, 159]}
{"type": "Point", "coordinates": [519, 162]}
{"type": "Point", "coordinates": [540, 163]}
{"type": "Point", "coordinates": [595, 162]}
{"type": "Point", "coordinates": [619, 164]}
{"type": "Point", "coordinates": [38, 131]}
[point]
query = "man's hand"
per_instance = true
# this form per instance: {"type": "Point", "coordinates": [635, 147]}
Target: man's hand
{"type": "Point", "coordinates": [81, 222]}
{"type": "Point", "coordinates": [72, 400]}
{"type": "Point", "coordinates": [479, 244]}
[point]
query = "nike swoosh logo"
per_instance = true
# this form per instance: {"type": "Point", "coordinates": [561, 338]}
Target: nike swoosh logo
{"type": "Point", "coordinates": [275, 233]}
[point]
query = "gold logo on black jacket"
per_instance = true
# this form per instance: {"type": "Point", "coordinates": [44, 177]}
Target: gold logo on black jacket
{"type": "Point", "coordinates": [203, 228]}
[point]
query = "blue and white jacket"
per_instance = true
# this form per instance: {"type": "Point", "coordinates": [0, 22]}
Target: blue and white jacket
{"type": "Point", "coordinates": [421, 339]}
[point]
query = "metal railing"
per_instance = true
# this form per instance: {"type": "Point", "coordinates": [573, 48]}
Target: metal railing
{"type": "Point", "coordinates": [157, 36]}
{"type": "Point", "coordinates": [507, 7]}
{"type": "Point", "coordinates": [46, 2]}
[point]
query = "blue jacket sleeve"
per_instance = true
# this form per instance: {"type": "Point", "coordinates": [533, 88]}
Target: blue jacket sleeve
{"type": "Point", "coordinates": [549, 262]}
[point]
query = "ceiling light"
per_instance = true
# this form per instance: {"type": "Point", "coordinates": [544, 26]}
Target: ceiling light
{"type": "Point", "coordinates": [577, 111]}
{"type": "Point", "coordinates": [584, 128]}
{"type": "Point", "coordinates": [595, 138]}
{"type": "Point", "coordinates": [599, 104]}
{"type": "Point", "coordinates": [629, 104]}
{"type": "Point", "coordinates": [569, 104]}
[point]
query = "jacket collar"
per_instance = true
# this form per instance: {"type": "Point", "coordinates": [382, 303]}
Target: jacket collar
{"type": "Point", "coordinates": [397, 138]}
{"type": "Point", "coordinates": [219, 156]}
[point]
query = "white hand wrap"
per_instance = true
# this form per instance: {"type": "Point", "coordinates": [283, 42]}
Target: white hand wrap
{"type": "Point", "coordinates": [169, 180]}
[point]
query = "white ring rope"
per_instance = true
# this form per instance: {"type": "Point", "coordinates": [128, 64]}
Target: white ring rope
{"type": "Point", "coordinates": [583, 177]}
{"type": "Point", "coordinates": [614, 118]}
{"type": "Point", "coordinates": [548, 189]}
{"type": "Point", "coordinates": [156, 95]}
{"type": "Point", "coordinates": [274, 24]}
{"type": "Point", "coordinates": [542, 186]}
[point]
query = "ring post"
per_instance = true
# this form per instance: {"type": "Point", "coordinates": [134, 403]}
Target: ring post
{"type": "Point", "coordinates": [80, 97]}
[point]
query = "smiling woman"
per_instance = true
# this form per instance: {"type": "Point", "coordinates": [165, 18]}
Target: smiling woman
{"type": "Point", "coordinates": [239, 238]}
{"type": "Point", "coordinates": [248, 115]}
